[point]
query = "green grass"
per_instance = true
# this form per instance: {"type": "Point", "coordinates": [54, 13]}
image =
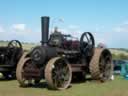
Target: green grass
{"type": "Point", "coordinates": [115, 51]}
{"type": "Point", "coordinates": [118, 87]}
{"type": "Point", "coordinates": [26, 46]}
{"type": "Point", "coordinates": [3, 43]}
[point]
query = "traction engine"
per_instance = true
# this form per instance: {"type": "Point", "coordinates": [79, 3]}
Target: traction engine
{"type": "Point", "coordinates": [60, 59]}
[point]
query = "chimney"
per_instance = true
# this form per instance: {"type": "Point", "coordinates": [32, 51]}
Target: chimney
{"type": "Point", "coordinates": [44, 29]}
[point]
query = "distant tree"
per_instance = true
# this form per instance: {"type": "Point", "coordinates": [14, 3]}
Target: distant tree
{"type": "Point", "coordinates": [119, 56]}
{"type": "Point", "coordinates": [123, 56]}
{"type": "Point", "coordinates": [114, 56]}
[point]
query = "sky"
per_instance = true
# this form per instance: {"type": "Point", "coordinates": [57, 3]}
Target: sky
{"type": "Point", "coordinates": [107, 20]}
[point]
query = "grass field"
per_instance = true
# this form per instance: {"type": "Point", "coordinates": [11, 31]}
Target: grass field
{"type": "Point", "coordinates": [118, 87]}
{"type": "Point", "coordinates": [26, 46]}
{"type": "Point", "coordinates": [115, 51]}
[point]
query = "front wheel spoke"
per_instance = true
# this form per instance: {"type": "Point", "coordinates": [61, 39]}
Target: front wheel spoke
{"type": "Point", "coordinates": [60, 77]}
{"type": "Point", "coordinates": [55, 77]}
{"type": "Point", "coordinates": [60, 83]}
{"type": "Point", "coordinates": [57, 73]}
{"type": "Point", "coordinates": [64, 70]}
{"type": "Point", "coordinates": [66, 74]}
{"type": "Point", "coordinates": [66, 77]}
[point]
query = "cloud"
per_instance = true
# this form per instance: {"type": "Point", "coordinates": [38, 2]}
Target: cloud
{"type": "Point", "coordinates": [112, 39]}
{"type": "Point", "coordinates": [20, 32]}
{"type": "Point", "coordinates": [122, 27]}
{"type": "Point", "coordinates": [103, 37]}
{"type": "Point", "coordinates": [19, 27]}
{"type": "Point", "coordinates": [73, 27]}
{"type": "Point", "coordinates": [24, 33]}
{"type": "Point", "coordinates": [115, 37]}
{"type": "Point", "coordinates": [1, 29]}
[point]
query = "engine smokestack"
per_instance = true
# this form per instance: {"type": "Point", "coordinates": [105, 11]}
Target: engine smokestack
{"type": "Point", "coordinates": [44, 29]}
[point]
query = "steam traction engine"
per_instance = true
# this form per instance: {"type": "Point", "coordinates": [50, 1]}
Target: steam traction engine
{"type": "Point", "coordinates": [9, 57]}
{"type": "Point", "coordinates": [60, 59]}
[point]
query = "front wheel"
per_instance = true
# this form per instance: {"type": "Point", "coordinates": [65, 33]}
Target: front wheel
{"type": "Point", "coordinates": [58, 73]}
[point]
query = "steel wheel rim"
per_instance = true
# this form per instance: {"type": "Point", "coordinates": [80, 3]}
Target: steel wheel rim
{"type": "Point", "coordinates": [20, 72]}
{"type": "Point", "coordinates": [52, 74]}
{"type": "Point", "coordinates": [60, 74]}
{"type": "Point", "coordinates": [105, 67]}
{"type": "Point", "coordinates": [26, 82]}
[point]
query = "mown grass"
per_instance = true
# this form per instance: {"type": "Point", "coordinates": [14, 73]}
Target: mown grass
{"type": "Point", "coordinates": [118, 87]}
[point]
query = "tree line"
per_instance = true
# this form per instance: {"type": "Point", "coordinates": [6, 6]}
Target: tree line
{"type": "Point", "coordinates": [120, 56]}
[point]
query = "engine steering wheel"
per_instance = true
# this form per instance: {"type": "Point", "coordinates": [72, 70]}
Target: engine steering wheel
{"type": "Point", "coordinates": [87, 44]}
{"type": "Point", "coordinates": [14, 50]}
{"type": "Point", "coordinates": [14, 44]}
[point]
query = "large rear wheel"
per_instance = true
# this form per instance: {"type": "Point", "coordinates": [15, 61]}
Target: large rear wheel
{"type": "Point", "coordinates": [20, 70]}
{"type": "Point", "coordinates": [19, 73]}
{"type": "Point", "coordinates": [101, 65]}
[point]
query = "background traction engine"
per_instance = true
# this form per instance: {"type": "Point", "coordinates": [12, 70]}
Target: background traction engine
{"type": "Point", "coordinates": [9, 57]}
{"type": "Point", "coordinates": [61, 59]}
